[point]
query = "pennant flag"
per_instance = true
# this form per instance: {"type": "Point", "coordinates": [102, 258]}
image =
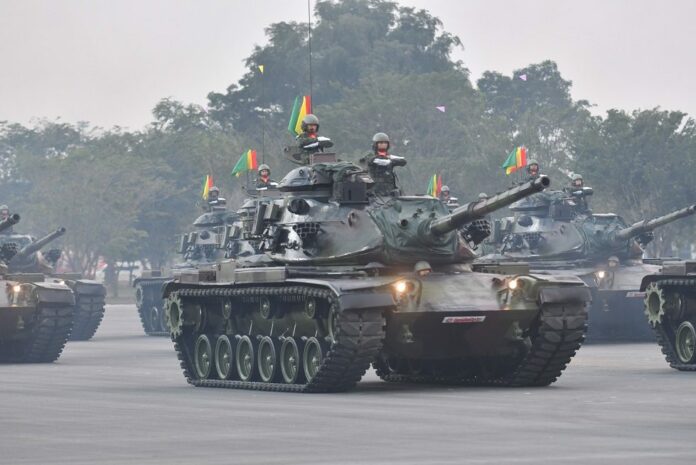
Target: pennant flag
{"type": "Point", "coordinates": [246, 162]}
{"type": "Point", "coordinates": [261, 68]}
{"type": "Point", "coordinates": [301, 108]}
{"type": "Point", "coordinates": [435, 186]}
{"type": "Point", "coordinates": [516, 160]}
{"type": "Point", "coordinates": [523, 77]}
{"type": "Point", "coordinates": [441, 108]}
{"type": "Point", "coordinates": [207, 184]}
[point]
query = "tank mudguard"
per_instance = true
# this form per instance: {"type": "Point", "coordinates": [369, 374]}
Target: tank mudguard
{"type": "Point", "coordinates": [563, 294]}
{"type": "Point", "coordinates": [88, 287]}
{"type": "Point", "coordinates": [54, 293]}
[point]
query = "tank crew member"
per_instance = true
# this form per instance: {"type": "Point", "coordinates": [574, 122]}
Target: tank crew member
{"type": "Point", "coordinates": [532, 170]}
{"type": "Point", "coordinates": [264, 178]}
{"type": "Point", "coordinates": [214, 199]}
{"type": "Point", "coordinates": [309, 141]}
{"type": "Point", "coordinates": [4, 214]}
{"type": "Point", "coordinates": [380, 165]}
{"type": "Point", "coordinates": [579, 193]}
{"type": "Point", "coordinates": [447, 199]}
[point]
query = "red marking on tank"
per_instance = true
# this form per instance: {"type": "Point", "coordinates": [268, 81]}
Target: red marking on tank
{"type": "Point", "coordinates": [463, 319]}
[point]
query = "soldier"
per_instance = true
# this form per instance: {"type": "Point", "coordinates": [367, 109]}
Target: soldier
{"type": "Point", "coordinates": [380, 164]}
{"type": "Point", "coordinates": [214, 199]}
{"type": "Point", "coordinates": [532, 170]}
{"type": "Point", "coordinates": [577, 191]}
{"type": "Point", "coordinates": [264, 178]}
{"type": "Point", "coordinates": [309, 141]}
{"type": "Point", "coordinates": [4, 214]}
{"type": "Point", "coordinates": [445, 193]}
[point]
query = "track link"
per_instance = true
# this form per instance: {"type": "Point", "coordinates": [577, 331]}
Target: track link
{"type": "Point", "coordinates": [359, 339]}
{"type": "Point", "coordinates": [89, 312]}
{"type": "Point", "coordinates": [561, 332]}
{"type": "Point", "coordinates": [662, 332]}
{"type": "Point", "coordinates": [52, 326]}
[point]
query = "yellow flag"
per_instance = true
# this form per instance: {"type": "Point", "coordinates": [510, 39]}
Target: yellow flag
{"type": "Point", "coordinates": [261, 68]}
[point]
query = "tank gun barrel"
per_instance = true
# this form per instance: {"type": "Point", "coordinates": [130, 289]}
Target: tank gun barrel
{"type": "Point", "coordinates": [9, 222]}
{"type": "Point", "coordinates": [644, 226]}
{"type": "Point", "coordinates": [37, 244]}
{"type": "Point", "coordinates": [479, 209]}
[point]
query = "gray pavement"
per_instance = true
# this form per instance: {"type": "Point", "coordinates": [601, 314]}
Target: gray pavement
{"type": "Point", "coordinates": [121, 399]}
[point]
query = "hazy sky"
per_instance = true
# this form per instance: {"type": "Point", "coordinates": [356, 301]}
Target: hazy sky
{"type": "Point", "coordinates": [109, 61]}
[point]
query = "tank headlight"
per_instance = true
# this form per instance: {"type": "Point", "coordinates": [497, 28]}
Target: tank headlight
{"type": "Point", "coordinates": [60, 281]}
{"type": "Point", "coordinates": [403, 287]}
{"type": "Point", "coordinates": [16, 288]}
{"type": "Point", "coordinates": [513, 284]}
{"type": "Point", "coordinates": [601, 274]}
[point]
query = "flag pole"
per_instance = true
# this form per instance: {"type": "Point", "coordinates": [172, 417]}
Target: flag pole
{"type": "Point", "coordinates": [309, 43]}
{"type": "Point", "coordinates": [263, 118]}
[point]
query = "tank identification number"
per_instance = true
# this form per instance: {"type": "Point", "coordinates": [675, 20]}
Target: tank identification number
{"type": "Point", "coordinates": [463, 319]}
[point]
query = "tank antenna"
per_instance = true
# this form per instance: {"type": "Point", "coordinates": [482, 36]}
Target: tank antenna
{"type": "Point", "coordinates": [309, 43]}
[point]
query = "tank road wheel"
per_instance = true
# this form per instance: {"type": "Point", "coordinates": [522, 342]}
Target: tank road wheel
{"type": "Point", "coordinates": [139, 296]}
{"type": "Point", "coordinates": [244, 358]}
{"type": "Point", "coordinates": [203, 356]}
{"type": "Point", "coordinates": [289, 360]}
{"type": "Point", "coordinates": [223, 357]}
{"type": "Point", "coordinates": [267, 360]}
{"type": "Point", "coordinates": [655, 303]}
{"type": "Point", "coordinates": [685, 342]}
{"type": "Point", "coordinates": [312, 358]}
{"type": "Point", "coordinates": [154, 318]}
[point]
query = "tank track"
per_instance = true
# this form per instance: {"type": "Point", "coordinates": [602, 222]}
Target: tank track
{"type": "Point", "coordinates": [45, 344]}
{"type": "Point", "coordinates": [562, 329]}
{"type": "Point", "coordinates": [360, 336]}
{"type": "Point", "coordinates": [148, 304]}
{"type": "Point", "coordinates": [89, 312]}
{"type": "Point", "coordinates": [663, 337]}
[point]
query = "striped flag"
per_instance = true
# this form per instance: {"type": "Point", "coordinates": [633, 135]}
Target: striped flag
{"type": "Point", "coordinates": [301, 108]}
{"type": "Point", "coordinates": [435, 186]}
{"type": "Point", "coordinates": [207, 184]}
{"type": "Point", "coordinates": [516, 160]}
{"type": "Point", "coordinates": [246, 162]}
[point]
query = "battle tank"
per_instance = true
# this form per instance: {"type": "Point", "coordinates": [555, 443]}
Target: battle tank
{"type": "Point", "coordinates": [347, 279]}
{"type": "Point", "coordinates": [36, 314]}
{"type": "Point", "coordinates": [555, 233]}
{"type": "Point", "coordinates": [670, 305]}
{"type": "Point", "coordinates": [217, 234]}
{"type": "Point", "coordinates": [24, 256]}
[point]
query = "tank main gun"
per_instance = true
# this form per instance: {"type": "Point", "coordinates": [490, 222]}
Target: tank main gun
{"type": "Point", "coordinates": [644, 226]}
{"type": "Point", "coordinates": [9, 222]}
{"type": "Point", "coordinates": [479, 209]}
{"type": "Point", "coordinates": [38, 244]}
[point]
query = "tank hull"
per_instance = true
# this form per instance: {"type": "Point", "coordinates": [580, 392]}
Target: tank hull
{"type": "Point", "coordinates": [468, 322]}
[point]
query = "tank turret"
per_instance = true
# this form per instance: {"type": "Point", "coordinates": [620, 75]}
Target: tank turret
{"type": "Point", "coordinates": [33, 247]}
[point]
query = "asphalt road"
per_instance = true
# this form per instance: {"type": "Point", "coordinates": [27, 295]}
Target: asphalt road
{"type": "Point", "coordinates": [121, 399]}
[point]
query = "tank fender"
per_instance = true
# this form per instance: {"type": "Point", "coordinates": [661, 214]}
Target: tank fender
{"type": "Point", "coordinates": [54, 293]}
{"type": "Point", "coordinates": [552, 294]}
{"type": "Point", "coordinates": [358, 300]}
{"type": "Point", "coordinates": [88, 287]}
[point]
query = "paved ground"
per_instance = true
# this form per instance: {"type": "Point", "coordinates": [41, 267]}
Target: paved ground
{"type": "Point", "coordinates": [121, 399]}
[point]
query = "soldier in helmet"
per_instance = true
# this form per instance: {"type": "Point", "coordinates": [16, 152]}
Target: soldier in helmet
{"type": "Point", "coordinates": [264, 178]}
{"type": "Point", "coordinates": [380, 164]}
{"type": "Point", "coordinates": [5, 214]}
{"type": "Point", "coordinates": [532, 170]}
{"type": "Point", "coordinates": [309, 140]}
{"type": "Point", "coordinates": [447, 199]}
{"type": "Point", "coordinates": [578, 192]}
{"type": "Point", "coordinates": [214, 199]}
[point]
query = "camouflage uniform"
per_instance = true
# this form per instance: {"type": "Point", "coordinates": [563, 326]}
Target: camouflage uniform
{"type": "Point", "coordinates": [264, 182]}
{"type": "Point", "coordinates": [380, 165]}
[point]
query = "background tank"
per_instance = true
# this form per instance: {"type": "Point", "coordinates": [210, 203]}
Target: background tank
{"type": "Point", "coordinates": [36, 314]}
{"type": "Point", "coordinates": [551, 233]}
{"type": "Point", "coordinates": [23, 255]}
{"type": "Point", "coordinates": [354, 279]}
{"type": "Point", "coordinates": [216, 235]}
{"type": "Point", "coordinates": [670, 305]}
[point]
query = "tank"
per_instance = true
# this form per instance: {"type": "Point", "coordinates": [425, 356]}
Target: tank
{"type": "Point", "coordinates": [216, 235]}
{"type": "Point", "coordinates": [24, 256]}
{"type": "Point", "coordinates": [36, 311]}
{"type": "Point", "coordinates": [346, 279]}
{"type": "Point", "coordinates": [554, 234]}
{"type": "Point", "coordinates": [670, 306]}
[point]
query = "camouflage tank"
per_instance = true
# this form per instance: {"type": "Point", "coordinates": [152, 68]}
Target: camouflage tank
{"type": "Point", "coordinates": [36, 314]}
{"type": "Point", "coordinates": [217, 234]}
{"type": "Point", "coordinates": [347, 279]}
{"type": "Point", "coordinates": [554, 235]}
{"type": "Point", "coordinates": [670, 305]}
{"type": "Point", "coordinates": [24, 256]}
